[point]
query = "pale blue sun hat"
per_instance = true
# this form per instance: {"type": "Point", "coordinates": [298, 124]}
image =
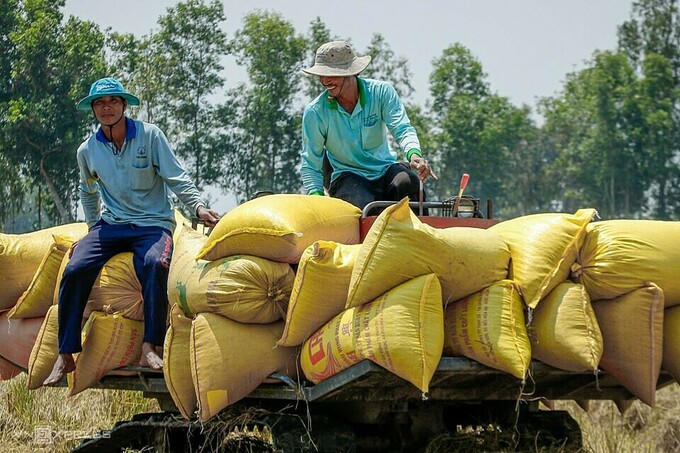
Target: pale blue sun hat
{"type": "Point", "coordinates": [108, 86]}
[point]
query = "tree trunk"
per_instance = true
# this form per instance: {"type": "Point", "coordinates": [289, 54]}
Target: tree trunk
{"type": "Point", "coordinates": [63, 212]}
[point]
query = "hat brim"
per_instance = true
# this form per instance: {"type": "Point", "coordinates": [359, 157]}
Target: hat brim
{"type": "Point", "coordinates": [350, 69]}
{"type": "Point", "coordinates": [85, 103]}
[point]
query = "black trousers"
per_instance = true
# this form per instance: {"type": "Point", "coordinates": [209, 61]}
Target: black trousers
{"type": "Point", "coordinates": [399, 181]}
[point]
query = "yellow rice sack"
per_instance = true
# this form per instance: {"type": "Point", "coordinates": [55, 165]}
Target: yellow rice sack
{"type": "Point", "coordinates": [231, 359]}
{"type": "Point", "coordinates": [110, 341]}
{"type": "Point", "coordinates": [45, 350]}
{"type": "Point", "coordinates": [671, 342]}
{"type": "Point", "coordinates": [543, 247]}
{"type": "Point", "coordinates": [619, 256]}
{"type": "Point", "coordinates": [39, 295]}
{"type": "Point", "coordinates": [488, 327]}
{"type": "Point", "coordinates": [399, 247]}
{"type": "Point", "coordinates": [320, 289]}
{"type": "Point", "coordinates": [280, 227]}
{"type": "Point", "coordinates": [116, 289]}
{"type": "Point", "coordinates": [180, 221]}
{"type": "Point", "coordinates": [21, 255]}
{"type": "Point", "coordinates": [17, 337]}
{"type": "Point", "coordinates": [564, 332]}
{"type": "Point", "coordinates": [243, 288]}
{"type": "Point", "coordinates": [632, 331]}
{"type": "Point", "coordinates": [177, 362]}
{"type": "Point", "coordinates": [402, 331]}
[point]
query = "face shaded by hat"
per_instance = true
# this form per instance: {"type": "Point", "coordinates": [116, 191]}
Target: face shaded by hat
{"type": "Point", "coordinates": [337, 59]}
{"type": "Point", "coordinates": [107, 86]}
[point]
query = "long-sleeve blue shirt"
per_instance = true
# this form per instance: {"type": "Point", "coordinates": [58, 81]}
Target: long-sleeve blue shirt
{"type": "Point", "coordinates": [355, 141]}
{"type": "Point", "coordinates": [133, 184]}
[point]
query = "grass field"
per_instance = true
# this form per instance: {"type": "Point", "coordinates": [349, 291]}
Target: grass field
{"type": "Point", "coordinates": [46, 420]}
{"type": "Point", "coordinates": [640, 429]}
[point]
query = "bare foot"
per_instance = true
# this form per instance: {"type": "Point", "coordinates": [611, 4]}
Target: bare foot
{"type": "Point", "coordinates": [62, 366]}
{"type": "Point", "coordinates": [150, 357]}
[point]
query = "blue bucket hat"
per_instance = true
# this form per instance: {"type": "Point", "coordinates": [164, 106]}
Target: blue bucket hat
{"type": "Point", "coordinates": [107, 86]}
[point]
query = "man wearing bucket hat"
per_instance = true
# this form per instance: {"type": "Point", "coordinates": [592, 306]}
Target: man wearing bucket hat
{"type": "Point", "coordinates": [347, 124]}
{"type": "Point", "coordinates": [127, 171]}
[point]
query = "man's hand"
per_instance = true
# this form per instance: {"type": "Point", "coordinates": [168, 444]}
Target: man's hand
{"type": "Point", "coordinates": [208, 216]}
{"type": "Point", "coordinates": [421, 165]}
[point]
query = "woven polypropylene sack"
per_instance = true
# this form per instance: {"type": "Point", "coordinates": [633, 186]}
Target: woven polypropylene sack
{"type": "Point", "coordinates": [45, 350]}
{"type": "Point", "coordinates": [280, 227]}
{"type": "Point", "coordinates": [17, 337]}
{"type": "Point", "coordinates": [117, 289]}
{"type": "Point", "coordinates": [488, 327]}
{"type": "Point", "coordinates": [21, 255]}
{"type": "Point", "coordinates": [177, 362]}
{"type": "Point", "coordinates": [39, 295]}
{"type": "Point", "coordinates": [671, 342]}
{"type": "Point", "coordinates": [402, 331]}
{"type": "Point", "coordinates": [244, 288]}
{"type": "Point", "coordinates": [399, 247]}
{"type": "Point", "coordinates": [619, 256]}
{"type": "Point", "coordinates": [632, 332]}
{"type": "Point", "coordinates": [320, 289]}
{"type": "Point", "coordinates": [564, 332]}
{"type": "Point", "coordinates": [543, 247]}
{"type": "Point", "coordinates": [110, 341]}
{"type": "Point", "coordinates": [231, 359]}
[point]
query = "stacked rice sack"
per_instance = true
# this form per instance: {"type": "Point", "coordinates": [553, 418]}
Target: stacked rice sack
{"type": "Point", "coordinates": [29, 264]}
{"type": "Point", "coordinates": [404, 276]}
{"type": "Point", "coordinates": [113, 323]}
{"type": "Point", "coordinates": [230, 293]}
{"type": "Point", "coordinates": [599, 295]}
{"type": "Point", "coordinates": [629, 268]}
{"type": "Point", "coordinates": [282, 281]}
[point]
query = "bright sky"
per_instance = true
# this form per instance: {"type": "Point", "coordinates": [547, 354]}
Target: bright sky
{"type": "Point", "coordinates": [526, 47]}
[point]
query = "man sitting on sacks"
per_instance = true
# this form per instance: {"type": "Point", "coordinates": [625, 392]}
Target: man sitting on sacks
{"type": "Point", "coordinates": [129, 167]}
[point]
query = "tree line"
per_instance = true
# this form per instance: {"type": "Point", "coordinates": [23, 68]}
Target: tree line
{"type": "Point", "coordinates": [609, 138]}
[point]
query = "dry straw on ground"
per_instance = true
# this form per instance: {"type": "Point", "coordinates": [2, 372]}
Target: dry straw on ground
{"type": "Point", "coordinates": [46, 420]}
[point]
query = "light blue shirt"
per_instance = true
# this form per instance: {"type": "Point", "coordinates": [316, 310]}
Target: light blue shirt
{"type": "Point", "coordinates": [355, 141]}
{"type": "Point", "coordinates": [133, 184]}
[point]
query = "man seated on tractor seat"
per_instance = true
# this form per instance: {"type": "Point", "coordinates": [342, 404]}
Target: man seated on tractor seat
{"type": "Point", "coordinates": [347, 124]}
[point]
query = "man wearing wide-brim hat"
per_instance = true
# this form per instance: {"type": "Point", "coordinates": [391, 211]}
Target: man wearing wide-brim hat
{"type": "Point", "coordinates": [127, 171]}
{"type": "Point", "coordinates": [348, 123]}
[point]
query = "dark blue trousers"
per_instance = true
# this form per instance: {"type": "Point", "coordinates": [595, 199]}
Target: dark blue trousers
{"type": "Point", "coordinates": [152, 250]}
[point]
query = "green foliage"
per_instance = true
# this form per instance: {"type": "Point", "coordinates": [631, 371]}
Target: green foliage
{"type": "Point", "coordinates": [267, 121]}
{"type": "Point", "coordinates": [654, 28]}
{"type": "Point", "coordinates": [651, 41]}
{"type": "Point", "coordinates": [609, 139]}
{"type": "Point", "coordinates": [592, 128]}
{"type": "Point", "coordinates": [480, 133]}
{"type": "Point", "coordinates": [51, 64]}
{"type": "Point", "coordinates": [188, 49]}
{"type": "Point", "coordinates": [385, 66]}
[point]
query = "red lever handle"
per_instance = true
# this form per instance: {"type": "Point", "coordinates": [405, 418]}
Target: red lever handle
{"type": "Point", "coordinates": [464, 180]}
